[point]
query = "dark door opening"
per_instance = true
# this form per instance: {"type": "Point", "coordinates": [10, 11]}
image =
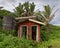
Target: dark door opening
{"type": "Point", "coordinates": [24, 32]}
{"type": "Point", "coordinates": [34, 31]}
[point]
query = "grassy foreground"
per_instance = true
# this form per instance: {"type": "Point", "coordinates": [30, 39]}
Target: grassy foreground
{"type": "Point", "coordinates": [9, 41]}
{"type": "Point", "coordinates": [54, 38]}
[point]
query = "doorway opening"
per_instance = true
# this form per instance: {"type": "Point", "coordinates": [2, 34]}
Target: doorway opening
{"type": "Point", "coordinates": [24, 32]}
{"type": "Point", "coordinates": [34, 32]}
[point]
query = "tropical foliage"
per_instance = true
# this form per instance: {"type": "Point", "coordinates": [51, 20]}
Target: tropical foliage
{"type": "Point", "coordinates": [3, 12]}
{"type": "Point", "coordinates": [25, 9]}
{"type": "Point", "coordinates": [47, 16]}
{"type": "Point", "coordinates": [8, 39]}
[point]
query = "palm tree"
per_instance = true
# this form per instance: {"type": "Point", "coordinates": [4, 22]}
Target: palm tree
{"type": "Point", "coordinates": [29, 8]}
{"type": "Point", "coordinates": [18, 10]}
{"type": "Point", "coordinates": [32, 7]}
{"type": "Point", "coordinates": [47, 16]}
{"type": "Point", "coordinates": [25, 9]}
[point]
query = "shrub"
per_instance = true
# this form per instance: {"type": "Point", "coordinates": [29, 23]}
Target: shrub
{"type": "Point", "coordinates": [0, 23]}
{"type": "Point", "coordinates": [44, 34]}
{"type": "Point", "coordinates": [6, 32]}
{"type": "Point", "coordinates": [14, 42]}
{"type": "Point", "coordinates": [2, 37]}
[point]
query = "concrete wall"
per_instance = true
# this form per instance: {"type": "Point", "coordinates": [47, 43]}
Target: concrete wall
{"type": "Point", "coordinates": [29, 24]}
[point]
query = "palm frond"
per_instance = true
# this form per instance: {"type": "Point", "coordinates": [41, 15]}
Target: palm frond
{"type": "Point", "coordinates": [32, 7]}
{"type": "Point", "coordinates": [53, 15]}
{"type": "Point", "coordinates": [47, 11]}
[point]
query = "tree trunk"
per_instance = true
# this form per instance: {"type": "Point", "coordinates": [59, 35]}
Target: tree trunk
{"type": "Point", "coordinates": [48, 28]}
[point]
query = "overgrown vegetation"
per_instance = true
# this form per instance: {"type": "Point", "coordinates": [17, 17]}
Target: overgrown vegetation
{"type": "Point", "coordinates": [8, 39]}
{"type": "Point", "coordinates": [52, 39]}
{"type": "Point", "coordinates": [44, 35]}
{"type": "Point", "coordinates": [14, 42]}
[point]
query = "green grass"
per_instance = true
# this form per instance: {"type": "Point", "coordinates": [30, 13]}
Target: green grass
{"type": "Point", "coordinates": [53, 43]}
{"type": "Point", "coordinates": [55, 32]}
{"type": "Point", "coordinates": [54, 38]}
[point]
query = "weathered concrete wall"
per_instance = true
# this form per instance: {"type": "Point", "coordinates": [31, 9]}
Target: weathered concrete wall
{"type": "Point", "coordinates": [8, 23]}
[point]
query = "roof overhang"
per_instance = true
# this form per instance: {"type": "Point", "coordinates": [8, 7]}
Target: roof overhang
{"type": "Point", "coordinates": [37, 21]}
{"type": "Point", "coordinates": [29, 17]}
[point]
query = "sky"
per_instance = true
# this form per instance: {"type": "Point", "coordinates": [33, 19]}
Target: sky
{"type": "Point", "coordinates": [10, 5]}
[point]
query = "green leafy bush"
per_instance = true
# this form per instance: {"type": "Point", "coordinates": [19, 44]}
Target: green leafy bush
{"type": "Point", "coordinates": [0, 23]}
{"type": "Point", "coordinates": [44, 34]}
{"type": "Point", "coordinates": [15, 42]}
{"type": "Point", "coordinates": [6, 32]}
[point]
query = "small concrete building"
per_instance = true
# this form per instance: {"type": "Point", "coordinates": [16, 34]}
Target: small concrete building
{"type": "Point", "coordinates": [29, 28]}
